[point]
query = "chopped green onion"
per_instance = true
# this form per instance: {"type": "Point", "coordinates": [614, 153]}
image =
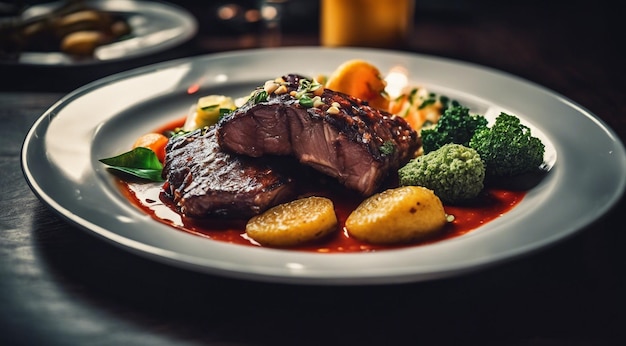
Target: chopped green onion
{"type": "Point", "coordinates": [306, 101]}
{"type": "Point", "coordinates": [210, 108]}
{"type": "Point", "coordinates": [260, 96]}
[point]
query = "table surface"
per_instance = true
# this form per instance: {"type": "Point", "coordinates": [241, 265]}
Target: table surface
{"type": "Point", "coordinates": [60, 285]}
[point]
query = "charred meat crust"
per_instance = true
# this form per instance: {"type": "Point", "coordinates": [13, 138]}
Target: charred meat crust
{"type": "Point", "coordinates": [204, 181]}
{"type": "Point", "coordinates": [358, 145]}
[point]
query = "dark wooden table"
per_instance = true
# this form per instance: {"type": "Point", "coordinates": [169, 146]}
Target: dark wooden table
{"type": "Point", "coordinates": [61, 286]}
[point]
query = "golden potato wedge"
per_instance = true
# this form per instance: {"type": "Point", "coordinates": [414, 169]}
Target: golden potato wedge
{"type": "Point", "coordinates": [208, 111]}
{"type": "Point", "coordinates": [398, 215]}
{"type": "Point", "coordinates": [294, 223]}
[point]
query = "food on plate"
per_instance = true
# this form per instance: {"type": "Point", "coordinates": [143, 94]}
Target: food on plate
{"type": "Point", "coordinates": [155, 142]}
{"type": "Point", "coordinates": [334, 133]}
{"type": "Point", "coordinates": [203, 180]}
{"type": "Point", "coordinates": [398, 215]}
{"type": "Point", "coordinates": [508, 147]}
{"type": "Point", "coordinates": [208, 111]}
{"type": "Point", "coordinates": [456, 125]}
{"type": "Point", "coordinates": [362, 80]}
{"type": "Point", "coordinates": [454, 172]}
{"type": "Point", "coordinates": [298, 160]}
{"type": "Point", "coordinates": [294, 223]}
{"type": "Point", "coordinates": [82, 42]}
{"type": "Point", "coordinates": [419, 106]}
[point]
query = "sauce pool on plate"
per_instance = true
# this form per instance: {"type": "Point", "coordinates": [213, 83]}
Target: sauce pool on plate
{"type": "Point", "coordinates": [149, 197]}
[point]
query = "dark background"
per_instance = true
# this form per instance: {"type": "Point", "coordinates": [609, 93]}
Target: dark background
{"type": "Point", "coordinates": [507, 35]}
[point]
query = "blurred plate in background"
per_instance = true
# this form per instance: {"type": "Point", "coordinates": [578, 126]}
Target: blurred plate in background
{"type": "Point", "coordinates": [155, 26]}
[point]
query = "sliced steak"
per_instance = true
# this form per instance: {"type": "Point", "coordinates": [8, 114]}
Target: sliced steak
{"type": "Point", "coordinates": [204, 181]}
{"type": "Point", "coordinates": [341, 136]}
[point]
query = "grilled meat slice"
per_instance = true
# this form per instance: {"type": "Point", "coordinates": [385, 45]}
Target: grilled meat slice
{"type": "Point", "coordinates": [204, 181]}
{"type": "Point", "coordinates": [341, 136]}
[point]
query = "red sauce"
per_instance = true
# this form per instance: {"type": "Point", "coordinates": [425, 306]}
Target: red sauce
{"type": "Point", "coordinates": [149, 197]}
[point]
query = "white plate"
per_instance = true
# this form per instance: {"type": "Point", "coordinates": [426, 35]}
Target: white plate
{"type": "Point", "coordinates": [156, 26]}
{"type": "Point", "coordinates": [61, 151]}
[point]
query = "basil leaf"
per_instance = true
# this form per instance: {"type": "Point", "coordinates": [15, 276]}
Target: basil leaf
{"type": "Point", "coordinates": [148, 174]}
{"type": "Point", "coordinates": [140, 162]}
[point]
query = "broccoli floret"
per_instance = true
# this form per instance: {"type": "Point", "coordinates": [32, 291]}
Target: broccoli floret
{"type": "Point", "coordinates": [456, 125]}
{"type": "Point", "coordinates": [508, 148]}
{"type": "Point", "coordinates": [454, 172]}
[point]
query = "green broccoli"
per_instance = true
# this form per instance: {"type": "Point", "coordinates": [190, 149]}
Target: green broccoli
{"type": "Point", "coordinates": [454, 172]}
{"type": "Point", "coordinates": [508, 148]}
{"type": "Point", "coordinates": [456, 125]}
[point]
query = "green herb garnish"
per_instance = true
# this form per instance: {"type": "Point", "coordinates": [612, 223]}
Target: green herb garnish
{"type": "Point", "coordinates": [306, 87]}
{"type": "Point", "coordinates": [139, 162]}
{"type": "Point", "coordinates": [306, 102]}
{"type": "Point", "coordinates": [259, 96]}
{"type": "Point", "coordinates": [210, 108]}
{"type": "Point", "coordinates": [387, 148]}
{"type": "Point", "coordinates": [224, 112]}
{"type": "Point", "coordinates": [427, 102]}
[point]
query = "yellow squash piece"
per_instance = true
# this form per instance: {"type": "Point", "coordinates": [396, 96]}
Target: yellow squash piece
{"type": "Point", "coordinates": [294, 223]}
{"type": "Point", "coordinates": [360, 79]}
{"type": "Point", "coordinates": [398, 215]}
{"type": "Point", "coordinates": [207, 111]}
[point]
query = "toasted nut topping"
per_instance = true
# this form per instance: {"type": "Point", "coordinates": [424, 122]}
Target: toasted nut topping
{"type": "Point", "coordinates": [293, 93]}
{"type": "Point", "coordinates": [270, 86]}
{"type": "Point", "coordinates": [281, 90]}
{"type": "Point", "coordinates": [317, 101]}
{"type": "Point", "coordinates": [332, 110]}
{"type": "Point", "coordinates": [336, 104]}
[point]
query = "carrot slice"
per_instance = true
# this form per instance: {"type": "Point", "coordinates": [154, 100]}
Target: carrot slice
{"type": "Point", "coordinates": [360, 79]}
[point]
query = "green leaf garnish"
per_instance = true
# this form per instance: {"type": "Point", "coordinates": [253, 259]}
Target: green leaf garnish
{"type": "Point", "coordinates": [306, 102]}
{"type": "Point", "coordinates": [259, 96]}
{"type": "Point", "coordinates": [305, 87]}
{"type": "Point", "coordinates": [139, 162]}
{"type": "Point", "coordinates": [210, 107]}
{"type": "Point", "coordinates": [387, 148]}
{"type": "Point", "coordinates": [224, 112]}
{"type": "Point", "coordinates": [427, 102]}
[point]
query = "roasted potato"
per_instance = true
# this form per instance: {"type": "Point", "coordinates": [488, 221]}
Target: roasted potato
{"type": "Point", "coordinates": [294, 223]}
{"type": "Point", "coordinates": [398, 215]}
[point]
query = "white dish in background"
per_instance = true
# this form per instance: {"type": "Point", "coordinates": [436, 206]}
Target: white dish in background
{"type": "Point", "coordinates": [156, 26]}
{"type": "Point", "coordinates": [61, 151]}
